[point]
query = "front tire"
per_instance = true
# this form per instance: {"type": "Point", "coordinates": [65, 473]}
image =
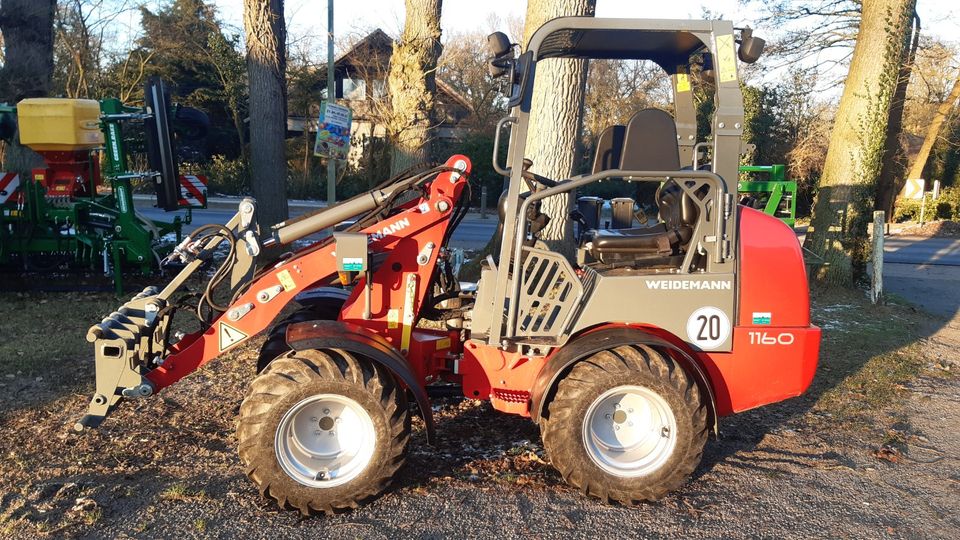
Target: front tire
{"type": "Point", "coordinates": [322, 431]}
{"type": "Point", "coordinates": [626, 425]}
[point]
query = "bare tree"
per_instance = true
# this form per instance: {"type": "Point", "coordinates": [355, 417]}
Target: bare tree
{"type": "Point", "coordinates": [845, 199]}
{"type": "Point", "coordinates": [618, 88]}
{"type": "Point", "coordinates": [266, 71]}
{"type": "Point", "coordinates": [556, 116]}
{"type": "Point", "coordinates": [933, 132]}
{"type": "Point", "coordinates": [464, 66]}
{"type": "Point", "coordinates": [822, 32]}
{"type": "Point", "coordinates": [412, 83]}
{"type": "Point", "coordinates": [27, 27]}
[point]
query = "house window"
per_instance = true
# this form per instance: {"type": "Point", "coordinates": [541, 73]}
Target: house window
{"type": "Point", "coordinates": [379, 89]}
{"type": "Point", "coordinates": [354, 89]}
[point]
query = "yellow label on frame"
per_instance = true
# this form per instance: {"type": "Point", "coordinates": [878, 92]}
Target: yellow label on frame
{"type": "Point", "coordinates": [393, 318]}
{"type": "Point", "coordinates": [286, 280]}
{"type": "Point", "coordinates": [726, 59]}
{"type": "Point", "coordinates": [683, 82]}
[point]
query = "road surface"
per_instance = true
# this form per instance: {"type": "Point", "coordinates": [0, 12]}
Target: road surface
{"type": "Point", "coordinates": [903, 249]}
{"type": "Point", "coordinates": [925, 271]}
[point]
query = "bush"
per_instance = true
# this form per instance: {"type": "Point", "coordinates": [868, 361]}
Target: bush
{"type": "Point", "coordinates": [946, 207]}
{"type": "Point", "coordinates": [906, 210]}
{"type": "Point", "coordinates": [227, 176]}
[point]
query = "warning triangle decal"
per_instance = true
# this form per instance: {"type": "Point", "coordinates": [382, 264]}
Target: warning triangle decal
{"type": "Point", "coordinates": [230, 336]}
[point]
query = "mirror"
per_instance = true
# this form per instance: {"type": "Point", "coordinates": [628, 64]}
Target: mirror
{"type": "Point", "coordinates": [498, 44]}
{"type": "Point", "coordinates": [496, 68]}
{"type": "Point", "coordinates": [750, 47]}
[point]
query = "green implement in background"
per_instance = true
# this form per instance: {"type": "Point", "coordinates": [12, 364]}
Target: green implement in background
{"type": "Point", "coordinates": [775, 195]}
{"type": "Point", "coordinates": [44, 231]}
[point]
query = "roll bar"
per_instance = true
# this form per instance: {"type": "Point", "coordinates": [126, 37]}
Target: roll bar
{"type": "Point", "coordinates": [721, 198]}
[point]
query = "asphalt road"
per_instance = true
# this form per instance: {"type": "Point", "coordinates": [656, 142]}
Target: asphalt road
{"type": "Point", "coordinates": [473, 232]}
{"type": "Point", "coordinates": [903, 249]}
{"type": "Point", "coordinates": [925, 271]}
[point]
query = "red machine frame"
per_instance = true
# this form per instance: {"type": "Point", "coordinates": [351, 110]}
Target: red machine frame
{"type": "Point", "coordinates": [738, 380]}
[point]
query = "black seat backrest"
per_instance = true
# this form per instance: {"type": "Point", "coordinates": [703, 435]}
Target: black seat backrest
{"type": "Point", "coordinates": [650, 142]}
{"type": "Point", "coordinates": [677, 209]}
{"type": "Point", "coordinates": [609, 149]}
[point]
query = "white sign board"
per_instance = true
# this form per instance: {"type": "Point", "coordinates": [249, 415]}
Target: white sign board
{"type": "Point", "coordinates": [913, 189]}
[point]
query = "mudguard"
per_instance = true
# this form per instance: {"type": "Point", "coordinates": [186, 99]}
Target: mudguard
{"type": "Point", "coordinates": [606, 338]}
{"type": "Point", "coordinates": [355, 339]}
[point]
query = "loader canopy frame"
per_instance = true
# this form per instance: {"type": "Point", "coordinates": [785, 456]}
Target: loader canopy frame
{"type": "Point", "coordinates": [670, 44]}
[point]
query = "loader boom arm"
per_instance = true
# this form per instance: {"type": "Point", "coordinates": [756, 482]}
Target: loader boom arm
{"type": "Point", "coordinates": [133, 358]}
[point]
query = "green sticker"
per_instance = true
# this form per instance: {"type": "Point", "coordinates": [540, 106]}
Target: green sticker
{"type": "Point", "coordinates": [761, 317]}
{"type": "Point", "coordinates": [351, 264]}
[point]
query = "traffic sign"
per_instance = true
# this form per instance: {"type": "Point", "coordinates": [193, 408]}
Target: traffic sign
{"type": "Point", "coordinates": [913, 189]}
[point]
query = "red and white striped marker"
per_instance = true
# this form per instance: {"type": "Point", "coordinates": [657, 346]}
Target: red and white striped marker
{"type": "Point", "coordinates": [193, 189]}
{"type": "Point", "coordinates": [9, 182]}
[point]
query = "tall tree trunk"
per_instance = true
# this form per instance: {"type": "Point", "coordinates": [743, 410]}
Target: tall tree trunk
{"type": "Point", "coordinates": [845, 199]}
{"type": "Point", "coordinates": [933, 131]}
{"type": "Point", "coordinates": [27, 27]}
{"type": "Point", "coordinates": [412, 84]}
{"type": "Point", "coordinates": [266, 69]}
{"type": "Point", "coordinates": [894, 160]}
{"type": "Point", "coordinates": [556, 117]}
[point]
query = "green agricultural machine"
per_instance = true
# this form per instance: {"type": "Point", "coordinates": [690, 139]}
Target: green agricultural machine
{"type": "Point", "coordinates": [769, 191]}
{"type": "Point", "coordinates": [62, 218]}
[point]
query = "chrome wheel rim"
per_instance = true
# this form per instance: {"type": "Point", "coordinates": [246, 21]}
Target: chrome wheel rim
{"type": "Point", "coordinates": [629, 431]}
{"type": "Point", "coordinates": [325, 441]}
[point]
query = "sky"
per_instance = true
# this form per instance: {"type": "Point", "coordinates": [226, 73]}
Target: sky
{"type": "Point", "coordinates": [307, 19]}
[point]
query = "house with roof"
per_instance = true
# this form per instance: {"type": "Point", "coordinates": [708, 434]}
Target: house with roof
{"type": "Point", "coordinates": [360, 75]}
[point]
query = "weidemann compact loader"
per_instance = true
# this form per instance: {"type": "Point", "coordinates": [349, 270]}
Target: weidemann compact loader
{"type": "Point", "coordinates": [626, 354]}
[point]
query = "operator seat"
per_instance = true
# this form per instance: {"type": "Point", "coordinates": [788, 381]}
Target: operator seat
{"type": "Point", "coordinates": [650, 144]}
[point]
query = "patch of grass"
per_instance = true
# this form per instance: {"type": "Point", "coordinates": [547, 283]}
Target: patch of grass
{"type": "Point", "coordinates": [92, 516]}
{"type": "Point", "coordinates": [45, 331]}
{"type": "Point", "coordinates": [868, 354]}
{"type": "Point", "coordinates": [200, 525]}
{"type": "Point", "coordinates": [180, 492]}
{"type": "Point", "coordinates": [877, 384]}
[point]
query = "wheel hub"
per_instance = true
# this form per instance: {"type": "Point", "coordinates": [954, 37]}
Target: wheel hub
{"type": "Point", "coordinates": [629, 431]}
{"type": "Point", "coordinates": [325, 440]}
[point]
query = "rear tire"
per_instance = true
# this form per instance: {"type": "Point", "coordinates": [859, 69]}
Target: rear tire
{"type": "Point", "coordinates": [626, 425]}
{"type": "Point", "coordinates": [322, 431]}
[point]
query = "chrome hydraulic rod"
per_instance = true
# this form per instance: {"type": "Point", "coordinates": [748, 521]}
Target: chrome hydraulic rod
{"type": "Point", "coordinates": [292, 230]}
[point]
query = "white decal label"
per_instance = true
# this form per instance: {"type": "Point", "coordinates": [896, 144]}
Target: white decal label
{"type": "Point", "coordinates": [708, 328]}
{"type": "Point", "coordinates": [230, 336]}
{"type": "Point", "coordinates": [687, 285]}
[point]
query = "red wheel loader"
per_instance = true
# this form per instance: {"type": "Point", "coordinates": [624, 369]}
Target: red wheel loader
{"type": "Point", "coordinates": [626, 354]}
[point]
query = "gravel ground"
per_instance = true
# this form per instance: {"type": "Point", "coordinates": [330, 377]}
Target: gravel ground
{"type": "Point", "coordinates": [167, 467]}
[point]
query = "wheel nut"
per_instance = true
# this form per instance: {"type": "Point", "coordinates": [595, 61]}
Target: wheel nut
{"type": "Point", "coordinates": [326, 411]}
{"type": "Point", "coordinates": [665, 432]}
{"type": "Point", "coordinates": [313, 418]}
{"type": "Point", "coordinates": [607, 416]}
{"type": "Point", "coordinates": [332, 434]}
{"type": "Point", "coordinates": [317, 432]}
